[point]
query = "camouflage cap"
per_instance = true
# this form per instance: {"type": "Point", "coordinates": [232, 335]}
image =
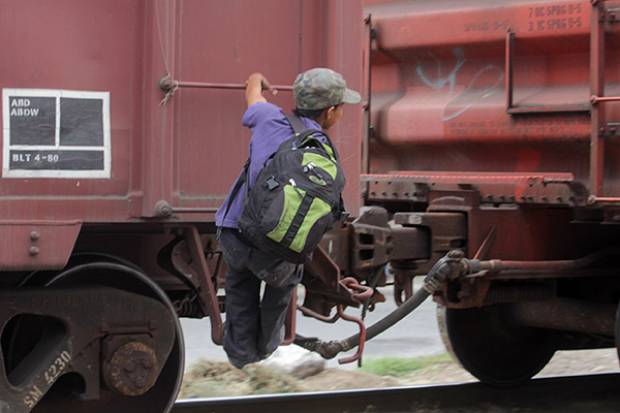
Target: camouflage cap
{"type": "Point", "coordinates": [320, 88]}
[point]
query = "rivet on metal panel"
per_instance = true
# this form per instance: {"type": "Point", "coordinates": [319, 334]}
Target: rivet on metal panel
{"type": "Point", "coordinates": [163, 209]}
{"type": "Point", "coordinates": [34, 235]}
{"type": "Point", "coordinates": [33, 251]}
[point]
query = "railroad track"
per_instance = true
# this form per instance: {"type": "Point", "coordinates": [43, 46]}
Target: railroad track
{"type": "Point", "coordinates": [575, 394]}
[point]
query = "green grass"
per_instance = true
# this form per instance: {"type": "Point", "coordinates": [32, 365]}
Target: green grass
{"type": "Point", "coordinates": [401, 366]}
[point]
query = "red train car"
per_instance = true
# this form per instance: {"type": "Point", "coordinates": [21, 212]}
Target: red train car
{"type": "Point", "coordinates": [109, 184]}
{"type": "Point", "coordinates": [494, 130]}
{"type": "Point", "coordinates": [488, 128]}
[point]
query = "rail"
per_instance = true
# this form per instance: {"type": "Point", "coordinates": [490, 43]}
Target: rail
{"type": "Point", "coordinates": [575, 394]}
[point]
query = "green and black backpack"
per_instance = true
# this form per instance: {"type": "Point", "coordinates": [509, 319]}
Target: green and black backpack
{"type": "Point", "coordinates": [296, 197]}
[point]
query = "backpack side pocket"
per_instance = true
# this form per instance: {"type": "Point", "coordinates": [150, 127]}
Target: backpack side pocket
{"type": "Point", "coordinates": [280, 215]}
{"type": "Point", "coordinates": [313, 226]}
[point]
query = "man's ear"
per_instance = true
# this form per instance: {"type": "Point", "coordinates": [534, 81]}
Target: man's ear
{"type": "Point", "coordinates": [330, 112]}
{"type": "Point", "coordinates": [325, 114]}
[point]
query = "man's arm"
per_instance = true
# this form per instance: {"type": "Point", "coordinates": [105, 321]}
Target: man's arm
{"type": "Point", "coordinates": [255, 85]}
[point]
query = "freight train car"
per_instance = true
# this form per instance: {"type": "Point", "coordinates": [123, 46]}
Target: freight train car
{"type": "Point", "coordinates": [490, 165]}
{"type": "Point", "coordinates": [494, 131]}
{"type": "Point", "coordinates": [484, 157]}
{"type": "Point", "coordinates": [109, 184]}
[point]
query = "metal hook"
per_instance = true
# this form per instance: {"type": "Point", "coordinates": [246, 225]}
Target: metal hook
{"type": "Point", "coordinates": [362, 340]}
{"type": "Point", "coordinates": [359, 293]}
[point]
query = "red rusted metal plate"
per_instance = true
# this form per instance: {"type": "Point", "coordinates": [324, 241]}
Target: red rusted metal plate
{"type": "Point", "coordinates": [36, 245]}
{"type": "Point", "coordinates": [474, 177]}
{"type": "Point", "coordinates": [493, 187]}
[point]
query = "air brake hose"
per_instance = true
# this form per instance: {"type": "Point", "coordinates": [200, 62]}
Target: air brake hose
{"type": "Point", "coordinates": [388, 321]}
{"type": "Point", "coordinates": [447, 268]}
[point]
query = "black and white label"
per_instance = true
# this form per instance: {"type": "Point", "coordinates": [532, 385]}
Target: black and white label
{"type": "Point", "coordinates": [56, 134]}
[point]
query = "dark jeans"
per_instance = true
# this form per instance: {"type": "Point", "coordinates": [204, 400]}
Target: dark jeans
{"type": "Point", "coordinates": [254, 327]}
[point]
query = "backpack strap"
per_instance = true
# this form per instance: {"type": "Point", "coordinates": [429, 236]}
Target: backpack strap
{"type": "Point", "coordinates": [243, 178]}
{"type": "Point", "coordinates": [299, 128]}
{"type": "Point", "coordinates": [296, 123]}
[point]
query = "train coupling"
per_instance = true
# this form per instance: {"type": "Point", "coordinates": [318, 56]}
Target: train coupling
{"type": "Point", "coordinates": [450, 267]}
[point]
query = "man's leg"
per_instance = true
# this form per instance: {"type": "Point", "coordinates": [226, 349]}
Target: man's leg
{"type": "Point", "coordinates": [273, 313]}
{"type": "Point", "coordinates": [242, 303]}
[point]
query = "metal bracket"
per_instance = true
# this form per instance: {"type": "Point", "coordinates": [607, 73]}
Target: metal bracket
{"type": "Point", "coordinates": [188, 258]}
{"type": "Point", "coordinates": [610, 130]}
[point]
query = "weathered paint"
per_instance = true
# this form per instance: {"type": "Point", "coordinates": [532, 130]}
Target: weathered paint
{"type": "Point", "coordinates": [440, 89]}
{"type": "Point", "coordinates": [179, 158]}
{"type": "Point", "coordinates": [187, 152]}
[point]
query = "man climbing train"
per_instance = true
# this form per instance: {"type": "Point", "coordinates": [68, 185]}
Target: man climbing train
{"type": "Point", "coordinates": [287, 196]}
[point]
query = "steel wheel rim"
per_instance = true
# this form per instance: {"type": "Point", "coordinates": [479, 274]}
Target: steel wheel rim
{"type": "Point", "coordinates": [163, 394]}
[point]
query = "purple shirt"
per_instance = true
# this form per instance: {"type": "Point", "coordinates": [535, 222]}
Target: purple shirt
{"type": "Point", "coordinates": [269, 129]}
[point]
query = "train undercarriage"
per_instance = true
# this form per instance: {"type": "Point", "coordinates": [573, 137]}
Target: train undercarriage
{"type": "Point", "coordinates": [104, 331]}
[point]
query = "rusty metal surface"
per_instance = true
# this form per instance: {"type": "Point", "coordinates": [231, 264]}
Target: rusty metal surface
{"type": "Point", "coordinates": [447, 231]}
{"type": "Point", "coordinates": [494, 188]}
{"type": "Point", "coordinates": [291, 320]}
{"type": "Point", "coordinates": [371, 241]}
{"type": "Point", "coordinates": [33, 245]}
{"type": "Point", "coordinates": [359, 352]}
{"type": "Point", "coordinates": [442, 77]}
{"type": "Point", "coordinates": [208, 287]}
{"type": "Point", "coordinates": [323, 268]}
{"type": "Point", "coordinates": [72, 332]}
{"type": "Point", "coordinates": [588, 277]}
{"type": "Point", "coordinates": [567, 315]}
{"type": "Point", "coordinates": [131, 369]}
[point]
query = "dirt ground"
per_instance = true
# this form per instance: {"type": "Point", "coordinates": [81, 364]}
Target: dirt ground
{"type": "Point", "coordinates": [214, 378]}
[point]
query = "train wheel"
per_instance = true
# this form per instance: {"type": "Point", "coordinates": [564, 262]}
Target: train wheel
{"type": "Point", "coordinates": [118, 370]}
{"type": "Point", "coordinates": [618, 331]}
{"type": "Point", "coordinates": [491, 347]}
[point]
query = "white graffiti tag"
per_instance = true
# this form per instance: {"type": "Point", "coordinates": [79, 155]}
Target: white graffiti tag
{"type": "Point", "coordinates": [485, 83]}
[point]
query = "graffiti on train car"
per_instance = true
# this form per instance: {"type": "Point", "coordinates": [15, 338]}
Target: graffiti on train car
{"type": "Point", "coordinates": [484, 83]}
